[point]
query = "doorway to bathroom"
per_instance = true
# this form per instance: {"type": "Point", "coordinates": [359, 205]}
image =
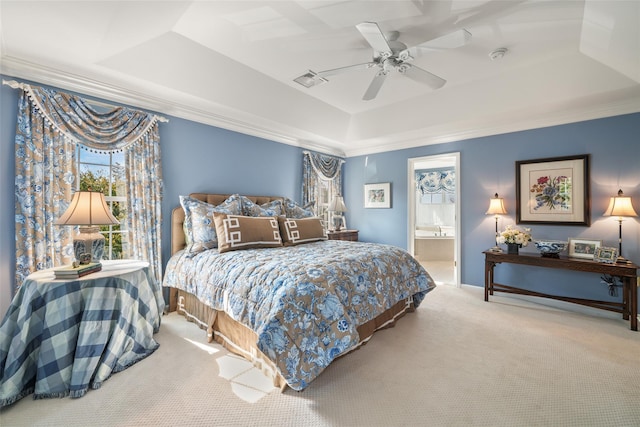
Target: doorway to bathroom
{"type": "Point", "coordinates": [434, 212]}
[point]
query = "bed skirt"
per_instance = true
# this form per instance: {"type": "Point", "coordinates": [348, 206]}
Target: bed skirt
{"type": "Point", "coordinates": [241, 340]}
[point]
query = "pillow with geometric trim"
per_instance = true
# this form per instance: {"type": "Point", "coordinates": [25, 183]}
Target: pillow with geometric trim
{"type": "Point", "coordinates": [294, 210]}
{"type": "Point", "coordinates": [272, 208]}
{"type": "Point", "coordinates": [237, 232]}
{"type": "Point", "coordinates": [200, 229]}
{"type": "Point", "coordinates": [295, 231]}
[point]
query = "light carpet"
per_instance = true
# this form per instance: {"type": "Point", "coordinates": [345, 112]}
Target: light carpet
{"type": "Point", "coordinates": [456, 361]}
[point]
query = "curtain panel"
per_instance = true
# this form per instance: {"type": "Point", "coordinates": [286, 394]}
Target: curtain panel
{"type": "Point", "coordinates": [317, 167]}
{"type": "Point", "coordinates": [49, 125]}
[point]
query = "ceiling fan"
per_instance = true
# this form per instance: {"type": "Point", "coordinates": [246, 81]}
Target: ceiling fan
{"type": "Point", "coordinates": [389, 55]}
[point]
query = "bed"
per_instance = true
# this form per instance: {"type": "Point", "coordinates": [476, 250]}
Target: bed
{"type": "Point", "coordinates": [292, 309]}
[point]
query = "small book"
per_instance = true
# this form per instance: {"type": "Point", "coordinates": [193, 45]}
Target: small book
{"type": "Point", "coordinates": [71, 272]}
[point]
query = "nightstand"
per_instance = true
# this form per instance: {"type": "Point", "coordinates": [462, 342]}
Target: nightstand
{"type": "Point", "coordinates": [68, 336]}
{"type": "Point", "coordinates": [351, 235]}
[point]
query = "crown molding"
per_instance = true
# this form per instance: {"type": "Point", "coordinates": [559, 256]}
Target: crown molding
{"type": "Point", "coordinates": [623, 102]}
{"type": "Point", "coordinates": [228, 120]}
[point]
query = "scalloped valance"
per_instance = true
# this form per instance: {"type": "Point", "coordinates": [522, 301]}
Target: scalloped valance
{"type": "Point", "coordinates": [327, 167]}
{"type": "Point", "coordinates": [78, 121]}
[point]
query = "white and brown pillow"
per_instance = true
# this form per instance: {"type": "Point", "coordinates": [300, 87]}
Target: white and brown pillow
{"type": "Point", "coordinates": [295, 231]}
{"type": "Point", "coordinates": [237, 232]}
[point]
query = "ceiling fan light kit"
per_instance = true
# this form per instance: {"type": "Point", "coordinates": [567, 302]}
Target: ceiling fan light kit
{"type": "Point", "coordinates": [388, 55]}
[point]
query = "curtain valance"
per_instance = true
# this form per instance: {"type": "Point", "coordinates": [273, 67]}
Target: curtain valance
{"type": "Point", "coordinates": [327, 167]}
{"type": "Point", "coordinates": [431, 182]}
{"type": "Point", "coordinates": [78, 121]}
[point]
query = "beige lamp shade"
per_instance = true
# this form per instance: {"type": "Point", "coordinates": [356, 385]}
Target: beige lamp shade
{"type": "Point", "coordinates": [496, 206]}
{"type": "Point", "coordinates": [620, 206]}
{"type": "Point", "coordinates": [87, 208]}
{"type": "Point", "coordinates": [337, 205]}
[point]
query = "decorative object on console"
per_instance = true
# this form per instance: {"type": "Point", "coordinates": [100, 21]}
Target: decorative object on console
{"type": "Point", "coordinates": [496, 207]}
{"type": "Point", "coordinates": [606, 255]}
{"type": "Point", "coordinates": [514, 238]}
{"type": "Point", "coordinates": [338, 207]}
{"type": "Point", "coordinates": [621, 207]}
{"type": "Point", "coordinates": [583, 248]}
{"type": "Point", "coordinates": [550, 248]}
{"type": "Point", "coordinates": [88, 209]}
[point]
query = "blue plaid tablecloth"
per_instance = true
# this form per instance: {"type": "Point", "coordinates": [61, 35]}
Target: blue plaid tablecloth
{"type": "Point", "coordinates": [60, 337]}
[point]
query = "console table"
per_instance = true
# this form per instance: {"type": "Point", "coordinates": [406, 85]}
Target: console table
{"type": "Point", "coordinates": [627, 273]}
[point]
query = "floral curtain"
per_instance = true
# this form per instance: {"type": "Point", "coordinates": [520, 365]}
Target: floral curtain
{"type": "Point", "coordinates": [50, 124]}
{"type": "Point", "coordinates": [316, 167]}
{"type": "Point", "coordinates": [436, 181]}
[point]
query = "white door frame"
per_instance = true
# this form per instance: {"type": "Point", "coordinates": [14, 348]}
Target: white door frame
{"type": "Point", "coordinates": [411, 226]}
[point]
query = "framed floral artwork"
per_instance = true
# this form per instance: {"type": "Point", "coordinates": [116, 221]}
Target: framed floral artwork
{"type": "Point", "coordinates": [553, 191]}
{"type": "Point", "coordinates": [377, 195]}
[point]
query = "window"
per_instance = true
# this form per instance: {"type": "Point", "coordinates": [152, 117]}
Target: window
{"type": "Point", "coordinates": [105, 172]}
{"type": "Point", "coordinates": [325, 195]}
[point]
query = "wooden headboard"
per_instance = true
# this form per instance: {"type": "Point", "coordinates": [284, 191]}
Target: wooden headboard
{"type": "Point", "coordinates": [178, 241]}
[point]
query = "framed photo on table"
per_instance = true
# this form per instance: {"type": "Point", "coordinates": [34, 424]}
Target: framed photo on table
{"type": "Point", "coordinates": [606, 255]}
{"type": "Point", "coordinates": [583, 248]}
{"type": "Point", "coordinates": [377, 195]}
{"type": "Point", "coordinates": [553, 191]}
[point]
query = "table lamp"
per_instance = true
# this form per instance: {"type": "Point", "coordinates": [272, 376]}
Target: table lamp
{"type": "Point", "coordinates": [496, 207]}
{"type": "Point", "coordinates": [89, 210]}
{"type": "Point", "coordinates": [621, 207]}
{"type": "Point", "coordinates": [337, 205]}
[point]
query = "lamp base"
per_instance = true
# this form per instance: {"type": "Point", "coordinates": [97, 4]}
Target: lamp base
{"type": "Point", "coordinates": [622, 260]}
{"type": "Point", "coordinates": [88, 242]}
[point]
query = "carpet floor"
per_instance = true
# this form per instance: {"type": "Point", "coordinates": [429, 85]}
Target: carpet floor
{"type": "Point", "coordinates": [456, 361]}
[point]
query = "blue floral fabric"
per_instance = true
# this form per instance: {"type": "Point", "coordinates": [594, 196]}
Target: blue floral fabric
{"type": "Point", "coordinates": [273, 208]}
{"type": "Point", "coordinates": [303, 302]}
{"type": "Point", "coordinates": [199, 228]}
{"type": "Point", "coordinates": [294, 210]}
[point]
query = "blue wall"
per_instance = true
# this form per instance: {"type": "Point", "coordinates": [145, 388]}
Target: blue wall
{"type": "Point", "coordinates": [195, 158]}
{"type": "Point", "coordinates": [201, 158]}
{"type": "Point", "coordinates": [487, 167]}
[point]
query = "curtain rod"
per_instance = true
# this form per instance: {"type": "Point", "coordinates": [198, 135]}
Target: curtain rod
{"type": "Point", "coordinates": [17, 85]}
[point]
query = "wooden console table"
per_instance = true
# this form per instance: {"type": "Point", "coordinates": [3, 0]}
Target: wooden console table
{"type": "Point", "coordinates": [627, 273]}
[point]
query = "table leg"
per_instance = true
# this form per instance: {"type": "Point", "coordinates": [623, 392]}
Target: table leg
{"type": "Point", "coordinates": [633, 302]}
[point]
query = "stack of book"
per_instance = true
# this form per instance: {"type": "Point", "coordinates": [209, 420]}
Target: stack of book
{"type": "Point", "coordinates": [71, 272]}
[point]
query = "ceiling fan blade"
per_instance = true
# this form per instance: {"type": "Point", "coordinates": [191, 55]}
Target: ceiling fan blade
{"type": "Point", "coordinates": [374, 86]}
{"type": "Point", "coordinates": [348, 68]}
{"type": "Point", "coordinates": [372, 34]}
{"type": "Point", "coordinates": [422, 76]}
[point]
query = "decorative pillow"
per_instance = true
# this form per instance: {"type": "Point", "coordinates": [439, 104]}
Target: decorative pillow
{"type": "Point", "coordinates": [200, 229]}
{"type": "Point", "coordinates": [295, 231]}
{"type": "Point", "coordinates": [273, 208]}
{"type": "Point", "coordinates": [294, 210]}
{"type": "Point", "coordinates": [246, 232]}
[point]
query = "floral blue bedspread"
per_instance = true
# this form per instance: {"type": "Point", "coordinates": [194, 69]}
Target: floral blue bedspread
{"type": "Point", "coordinates": [303, 302]}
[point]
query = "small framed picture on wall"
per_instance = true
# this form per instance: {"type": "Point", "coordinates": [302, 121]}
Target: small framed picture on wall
{"type": "Point", "coordinates": [377, 195]}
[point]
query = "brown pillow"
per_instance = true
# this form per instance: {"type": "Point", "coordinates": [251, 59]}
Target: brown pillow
{"type": "Point", "coordinates": [302, 230]}
{"type": "Point", "coordinates": [243, 232]}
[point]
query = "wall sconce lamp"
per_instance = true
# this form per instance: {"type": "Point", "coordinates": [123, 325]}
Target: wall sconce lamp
{"type": "Point", "coordinates": [496, 207]}
{"type": "Point", "coordinates": [621, 207]}
{"type": "Point", "coordinates": [337, 205]}
{"type": "Point", "coordinates": [88, 209]}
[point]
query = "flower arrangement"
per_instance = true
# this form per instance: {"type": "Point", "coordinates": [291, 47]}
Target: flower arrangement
{"type": "Point", "coordinates": [513, 235]}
